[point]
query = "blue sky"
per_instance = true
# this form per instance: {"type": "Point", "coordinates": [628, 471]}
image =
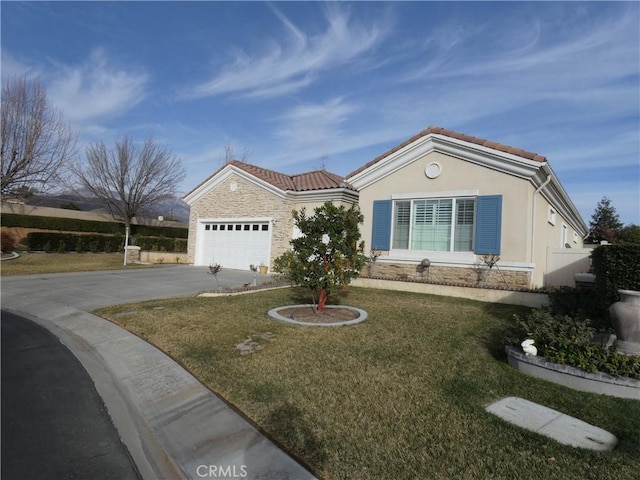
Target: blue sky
{"type": "Point", "coordinates": [300, 85]}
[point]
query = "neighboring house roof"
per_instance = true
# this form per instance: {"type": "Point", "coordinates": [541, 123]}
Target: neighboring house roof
{"type": "Point", "coordinates": [458, 136]}
{"type": "Point", "coordinates": [315, 180]}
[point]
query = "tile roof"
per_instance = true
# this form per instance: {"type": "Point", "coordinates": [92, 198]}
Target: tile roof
{"type": "Point", "coordinates": [315, 180]}
{"type": "Point", "coordinates": [459, 136]}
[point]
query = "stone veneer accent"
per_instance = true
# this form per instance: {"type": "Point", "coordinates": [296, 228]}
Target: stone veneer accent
{"type": "Point", "coordinates": [248, 200]}
{"type": "Point", "coordinates": [458, 275]}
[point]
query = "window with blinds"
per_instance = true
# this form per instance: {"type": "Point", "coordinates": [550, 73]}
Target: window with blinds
{"type": "Point", "coordinates": [438, 225]}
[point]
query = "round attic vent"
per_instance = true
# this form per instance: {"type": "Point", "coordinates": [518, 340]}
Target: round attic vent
{"type": "Point", "coordinates": [233, 187]}
{"type": "Point", "coordinates": [433, 170]}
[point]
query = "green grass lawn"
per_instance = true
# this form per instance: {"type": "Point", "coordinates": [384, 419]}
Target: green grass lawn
{"type": "Point", "coordinates": [399, 396]}
{"type": "Point", "coordinates": [30, 263]}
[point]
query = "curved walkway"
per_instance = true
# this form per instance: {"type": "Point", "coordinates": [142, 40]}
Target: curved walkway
{"type": "Point", "coordinates": [171, 424]}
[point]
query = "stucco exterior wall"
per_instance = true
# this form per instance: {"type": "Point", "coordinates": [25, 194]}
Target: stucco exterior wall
{"type": "Point", "coordinates": [548, 234]}
{"type": "Point", "coordinates": [247, 200]}
{"type": "Point", "coordinates": [460, 175]}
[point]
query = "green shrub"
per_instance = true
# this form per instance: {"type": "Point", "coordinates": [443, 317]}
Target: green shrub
{"type": "Point", "coordinates": [570, 341]}
{"type": "Point", "coordinates": [582, 303]}
{"type": "Point", "coordinates": [8, 242]}
{"type": "Point", "coordinates": [161, 244]}
{"type": "Point", "coordinates": [46, 240]}
{"type": "Point", "coordinates": [93, 226]}
{"type": "Point", "coordinates": [62, 246]}
{"type": "Point", "coordinates": [616, 267]}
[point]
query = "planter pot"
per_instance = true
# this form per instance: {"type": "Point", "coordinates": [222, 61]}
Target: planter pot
{"type": "Point", "coordinates": [625, 318]}
{"type": "Point", "coordinates": [263, 269]}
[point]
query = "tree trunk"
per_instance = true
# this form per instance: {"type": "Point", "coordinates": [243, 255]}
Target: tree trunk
{"type": "Point", "coordinates": [126, 242]}
{"type": "Point", "coordinates": [322, 299]}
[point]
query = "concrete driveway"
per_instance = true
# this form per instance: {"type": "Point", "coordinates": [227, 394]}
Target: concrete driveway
{"type": "Point", "coordinates": [172, 426]}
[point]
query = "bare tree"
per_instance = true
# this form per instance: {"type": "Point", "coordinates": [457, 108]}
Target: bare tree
{"type": "Point", "coordinates": [36, 141]}
{"type": "Point", "coordinates": [130, 178]}
{"type": "Point", "coordinates": [229, 154]}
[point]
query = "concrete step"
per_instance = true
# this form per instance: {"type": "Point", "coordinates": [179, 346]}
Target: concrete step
{"type": "Point", "coordinates": [553, 424]}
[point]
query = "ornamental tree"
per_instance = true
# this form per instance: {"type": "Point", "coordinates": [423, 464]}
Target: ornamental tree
{"type": "Point", "coordinates": [327, 254]}
{"type": "Point", "coordinates": [605, 223]}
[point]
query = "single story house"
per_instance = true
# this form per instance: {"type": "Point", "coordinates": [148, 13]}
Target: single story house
{"type": "Point", "coordinates": [241, 215]}
{"type": "Point", "coordinates": [455, 200]}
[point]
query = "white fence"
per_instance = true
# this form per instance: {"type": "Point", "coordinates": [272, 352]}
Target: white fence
{"type": "Point", "coordinates": [564, 263]}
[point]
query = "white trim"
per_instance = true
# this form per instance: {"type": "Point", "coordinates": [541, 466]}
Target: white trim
{"type": "Point", "coordinates": [470, 152]}
{"type": "Point", "coordinates": [234, 219]}
{"type": "Point", "coordinates": [394, 257]}
{"type": "Point", "coordinates": [551, 215]}
{"type": "Point", "coordinates": [564, 235]}
{"type": "Point", "coordinates": [444, 194]}
{"type": "Point", "coordinates": [333, 194]}
{"type": "Point", "coordinates": [433, 170]}
{"type": "Point", "coordinates": [417, 256]}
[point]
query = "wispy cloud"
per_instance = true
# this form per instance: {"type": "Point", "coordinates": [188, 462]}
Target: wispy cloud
{"type": "Point", "coordinates": [292, 63]}
{"type": "Point", "coordinates": [96, 90]}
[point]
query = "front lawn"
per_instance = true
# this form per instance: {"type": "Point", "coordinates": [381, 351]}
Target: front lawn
{"type": "Point", "coordinates": [401, 395]}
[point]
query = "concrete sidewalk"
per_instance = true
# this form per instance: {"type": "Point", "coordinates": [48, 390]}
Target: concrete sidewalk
{"type": "Point", "coordinates": [172, 425]}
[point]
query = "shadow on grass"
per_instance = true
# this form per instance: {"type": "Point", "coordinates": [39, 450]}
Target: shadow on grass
{"type": "Point", "coordinates": [495, 339]}
{"type": "Point", "coordinates": [287, 421]}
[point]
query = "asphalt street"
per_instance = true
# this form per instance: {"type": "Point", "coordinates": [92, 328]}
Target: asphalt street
{"type": "Point", "coordinates": [54, 423]}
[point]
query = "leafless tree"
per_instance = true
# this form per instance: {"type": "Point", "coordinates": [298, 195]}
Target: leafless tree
{"type": "Point", "coordinates": [130, 178]}
{"type": "Point", "coordinates": [229, 154]}
{"type": "Point", "coordinates": [36, 141]}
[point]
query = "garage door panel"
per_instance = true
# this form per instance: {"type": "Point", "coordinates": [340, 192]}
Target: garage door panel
{"type": "Point", "coordinates": [235, 245]}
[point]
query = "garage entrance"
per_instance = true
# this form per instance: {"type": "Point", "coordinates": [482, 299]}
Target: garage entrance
{"type": "Point", "coordinates": [234, 243]}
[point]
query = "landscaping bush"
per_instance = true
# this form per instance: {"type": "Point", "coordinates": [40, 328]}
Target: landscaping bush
{"type": "Point", "coordinates": [161, 244]}
{"type": "Point", "coordinates": [568, 340]}
{"type": "Point", "coordinates": [93, 226]}
{"type": "Point", "coordinates": [8, 242]}
{"type": "Point", "coordinates": [582, 303]}
{"type": "Point", "coordinates": [67, 242]}
{"type": "Point", "coordinates": [616, 267]}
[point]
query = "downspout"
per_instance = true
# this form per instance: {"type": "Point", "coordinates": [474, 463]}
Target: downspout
{"type": "Point", "coordinates": [533, 219]}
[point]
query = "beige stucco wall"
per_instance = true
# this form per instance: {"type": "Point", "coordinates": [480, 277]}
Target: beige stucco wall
{"type": "Point", "coordinates": [248, 200]}
{"type": "Point", "coordinates": [548, 235]}
{"type": "Point", "coordinates": [461, 175]}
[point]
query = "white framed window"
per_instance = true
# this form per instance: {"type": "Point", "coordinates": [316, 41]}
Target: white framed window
{"type": "Point", "coordinates": [552, 216]}
{"type": "Point", "coordinates": [434, 224]}
{"type": "Point", "coordinates": [576, 237]}
{"type": "Point", "coordinates": [565, 236]}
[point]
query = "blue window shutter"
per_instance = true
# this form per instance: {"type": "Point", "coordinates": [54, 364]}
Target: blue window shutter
{"type": "Point", "coordinates": [488, 224]}
{"type": "Point", "coordinates": [381, 230]}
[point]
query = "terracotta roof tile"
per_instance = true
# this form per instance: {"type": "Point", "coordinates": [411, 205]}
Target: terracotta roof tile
{"type": "Point", "coordinates": [433, 129]}
{"type": "Point", "coordinates": [316, 180]}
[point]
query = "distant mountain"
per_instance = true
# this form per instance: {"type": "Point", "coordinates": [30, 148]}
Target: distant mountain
{"type": "Point", "coordinates": [169, 209]}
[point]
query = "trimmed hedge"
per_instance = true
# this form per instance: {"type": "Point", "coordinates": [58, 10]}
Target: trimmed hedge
{"type": "Point", "coordinates": [71, 242]}
{"type": "Point", "coordinates": [616, 267]}
{"type": "Point", "coordinates": [155, 244]}
{"type": "Point", "coordinates": [93, 226]}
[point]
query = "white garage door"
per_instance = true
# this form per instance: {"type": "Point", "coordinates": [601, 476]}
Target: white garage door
{"type": "Point", "coordinates": [234, 244]}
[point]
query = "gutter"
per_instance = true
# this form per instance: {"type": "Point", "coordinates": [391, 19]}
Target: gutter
{"type": "Point", "coordinates": [533, 217]}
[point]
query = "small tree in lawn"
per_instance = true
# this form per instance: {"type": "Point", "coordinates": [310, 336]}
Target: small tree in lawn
{"type": "Point", "coordinates": [327, 255]}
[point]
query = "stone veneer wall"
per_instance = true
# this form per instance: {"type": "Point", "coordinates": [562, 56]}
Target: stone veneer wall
{"type": "Point", "coordinates": [248, 200]}
{"type": "Point", "coordinates": [457, 275]}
